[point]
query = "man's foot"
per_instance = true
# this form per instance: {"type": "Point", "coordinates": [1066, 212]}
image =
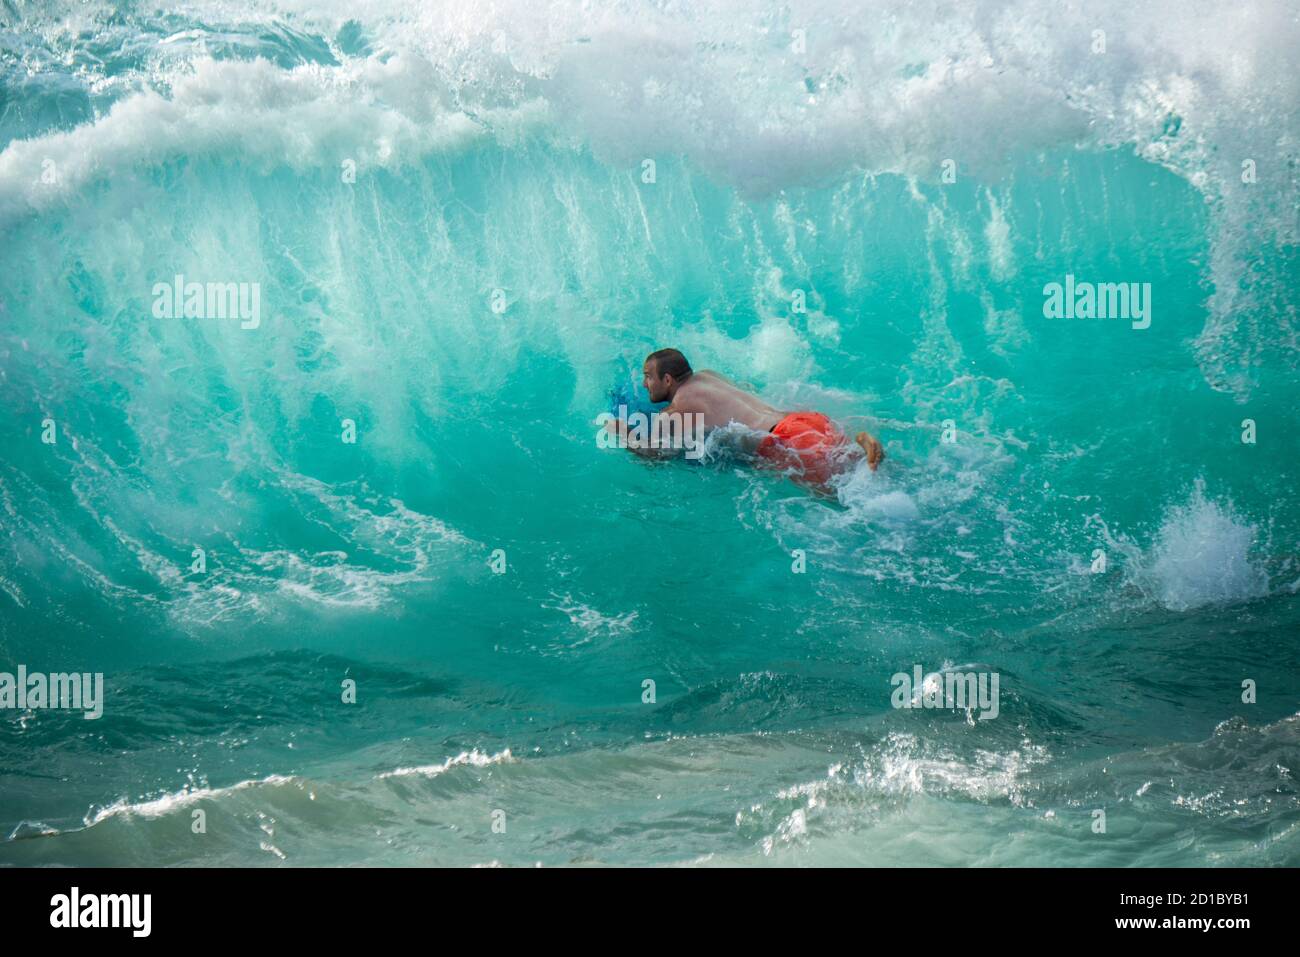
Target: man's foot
{"type": "Point", "coordinates": [875, 451]}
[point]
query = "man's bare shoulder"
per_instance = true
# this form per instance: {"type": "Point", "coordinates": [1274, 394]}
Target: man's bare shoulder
{"type": "Point", "coordinates": [702, 383]}
{"type": "Point", "coordinates": [697, 393]}
{"type": "Point", "coordinates": [710, 377]}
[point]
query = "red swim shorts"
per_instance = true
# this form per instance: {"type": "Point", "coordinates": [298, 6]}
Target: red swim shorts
{"type": "Point", "coordinates": [804, 442]}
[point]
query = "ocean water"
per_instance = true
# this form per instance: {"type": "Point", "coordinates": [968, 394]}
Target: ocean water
{"type": "Point", "coordinates": [465, 224]}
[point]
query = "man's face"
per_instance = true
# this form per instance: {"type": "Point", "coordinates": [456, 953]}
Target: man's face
{"type": "Point", "coordinates": [657, 387]}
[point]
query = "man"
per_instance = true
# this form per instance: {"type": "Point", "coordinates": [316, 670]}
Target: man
{"type": "Point", "coordinates": [806, 443]}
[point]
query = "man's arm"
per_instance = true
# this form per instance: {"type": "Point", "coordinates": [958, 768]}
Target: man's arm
{"type": "Point", "coordinates": [655, 443]}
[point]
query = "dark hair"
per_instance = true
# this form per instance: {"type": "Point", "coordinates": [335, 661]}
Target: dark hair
{"type": "Point", "coordinates": [670, 362]}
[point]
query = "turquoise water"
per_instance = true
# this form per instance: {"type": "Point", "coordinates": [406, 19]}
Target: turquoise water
{"type": "Point", "coordinates": [501, 257]}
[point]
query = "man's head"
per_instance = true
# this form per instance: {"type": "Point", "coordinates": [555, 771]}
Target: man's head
{"type": "Point", "coordinates": [664, 371]}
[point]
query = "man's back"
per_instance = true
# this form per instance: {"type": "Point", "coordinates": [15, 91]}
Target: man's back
{"type": "Point", "coordinates": [721, 403]}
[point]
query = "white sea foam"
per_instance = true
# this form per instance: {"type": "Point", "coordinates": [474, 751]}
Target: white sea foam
{"type": "Point", "coordinates": [1203, 554]}
{"type": "Point", "coordinates": [894, 90]}
{"type": "Point", "coordinates": [474, 758]}
{"type": "Point", "coordinates": [590, 622]}
{"type": "Point", "coordinates": [157, 807]}
{"type": "Point", "coordinates": [899, 767]}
